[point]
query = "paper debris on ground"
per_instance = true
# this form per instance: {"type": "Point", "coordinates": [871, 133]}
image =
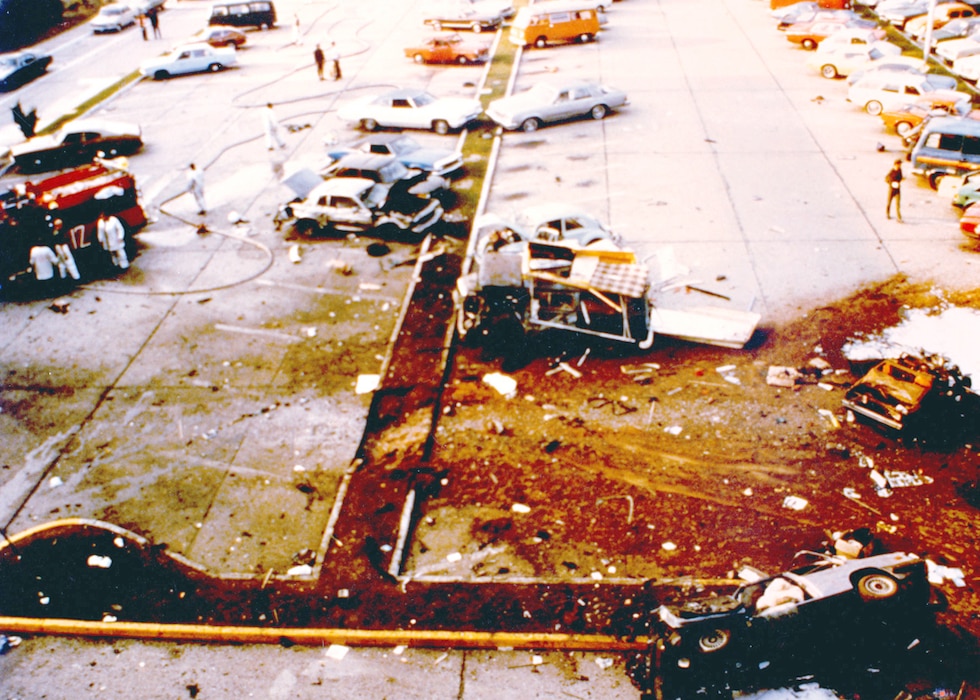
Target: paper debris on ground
{"type": "Point", "coordinates": [795, 503]}
{"type": "Point", "coordinates": [366, 383]}
{"type": "Point", "coordinates": [505, 385]}
{"type": "Point", "coordinates": [336, 651]}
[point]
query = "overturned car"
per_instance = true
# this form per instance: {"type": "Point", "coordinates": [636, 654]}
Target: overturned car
{"type": "Point", "coordinates": [828, 603]}
{"type": "Point", "coordinates": [910, 393]}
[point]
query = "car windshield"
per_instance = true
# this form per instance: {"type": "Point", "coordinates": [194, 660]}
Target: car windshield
{"type": "Point", "coordinates": [375, 196]}
{"type": "Point", "coordinates": [392, 171]}
{"type": "Point", "coordinates": [422, 99]}
{"type": "Point", "coordinates": [404, 144]}
{"type": "Point", "coordinates": [543, 92]}
{"type": "Point", "coordinates": [113, 10]}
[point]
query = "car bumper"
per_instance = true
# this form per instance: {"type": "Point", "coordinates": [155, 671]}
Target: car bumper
{"type": "Point", "coordinates": [428, 217]}
{"type": "Point", "coordinates": [504, 120]}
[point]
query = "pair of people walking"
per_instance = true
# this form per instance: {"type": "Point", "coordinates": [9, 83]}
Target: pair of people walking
{"type": "Point", "coordinates": [320, 58]}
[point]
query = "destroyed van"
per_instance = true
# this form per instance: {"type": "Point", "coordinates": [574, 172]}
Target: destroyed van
{"type": "Point", "coordinates": [65, 209]}
{"type": "Point", "coordinates": [946, 146]}
{"type": "Point", "coordinates": [513, 284]}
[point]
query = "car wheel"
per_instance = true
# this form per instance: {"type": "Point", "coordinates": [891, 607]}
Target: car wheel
{"type": "Point", "coordinates": [599, 112]}
{"type": "Point", "coordinates": [462, 60]}
{"type": "Point", "coordinates": [541, 42]}
{"type": "Point", "coordinates": [369, 124]}
{"type": "Point", "coordinates": [873, 108]}
{"type": "Point", "coordinates": [715, 640]}
{"type": "Point", "coordinates": [476, 27]}
{"type": "Point", "coordinates": [809, 44]}
{"type": "Point", "coordinates": [215, 67]}
{"type": "Point", "coordinates": [902, 128]}
{"type": "Point", "coordinates": [585, 38]}
{"type": "Point", "coordinates": [829, 72]}
{"type": "Point", "coordinates": [530, 124]}
{"type": "Point", "coordinates": [161, 75]}
{"type": "Point", "coordinates": [935, 178]}
{"type": "Point", "coordinates": [437, 26]}
{"type": "Point", "coordinates": [306, 227]}
{"type": "Point", "coordinates": [440, 126]}
{"type": "Point", "coordinates": [877, 587]}
{"type": "Point", "coordinates": [418, 58]}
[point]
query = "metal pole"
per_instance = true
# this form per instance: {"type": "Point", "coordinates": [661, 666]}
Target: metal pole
{"type": "Point", "coordinates": [927, 48]}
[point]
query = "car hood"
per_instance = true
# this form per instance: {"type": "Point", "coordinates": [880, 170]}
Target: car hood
{"type": "Point", "coordinates": [516, 103]}
{"type": "Point", "coordinates": [38, 143]}
{"type": "Point", "coordinates": [428, 156]}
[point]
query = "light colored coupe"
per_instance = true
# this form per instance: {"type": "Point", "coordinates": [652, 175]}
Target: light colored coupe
{"type": "Point", "coordinates": [411, 108]}
{"type": "Point", "coordinates": [552, 102]}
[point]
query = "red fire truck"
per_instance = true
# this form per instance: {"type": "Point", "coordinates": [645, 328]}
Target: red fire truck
{"type": "Point", "coordinates": [65, 209]}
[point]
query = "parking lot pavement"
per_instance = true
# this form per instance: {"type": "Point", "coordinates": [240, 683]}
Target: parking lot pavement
{"type": "Point", "coordinates": [732, 152]}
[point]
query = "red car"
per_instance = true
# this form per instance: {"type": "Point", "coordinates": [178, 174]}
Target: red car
{"type": "Point", "coordinates": [449, 48]}
{"type": "Point", "coordinates": [219, 36]}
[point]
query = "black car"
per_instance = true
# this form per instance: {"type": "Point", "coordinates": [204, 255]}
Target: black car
{"type": "Point", "coordinates": [820, 605]}
{"type": "Point", "coordinates": [17, 69]}
{"type": "Point", "coordinates": [77, 143]}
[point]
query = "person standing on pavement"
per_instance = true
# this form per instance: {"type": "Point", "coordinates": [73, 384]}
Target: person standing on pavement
{"type": "Point", "coordinates": [112, 236]}
{"type": "Point", "coordinates": [297, 37]}
{"type": "Point", "coordinates": [335, 61]}
{"type": "Point", "coordinates": [66, 261]}
{"type": "Point", "coordinates": [195, 185]}
{"type": "Point", "coordinates": [140, 18]}
{"type": "Point", "coordinates": [894, 180]}
{"type": "Point", "coordinates": [43, 261]}
{"type": "Point", "coordinates": [271, 125]}
{"type": "Point", "coordinates": [320, 59]}
{"type": "Point", "coordinates": [154, 14]}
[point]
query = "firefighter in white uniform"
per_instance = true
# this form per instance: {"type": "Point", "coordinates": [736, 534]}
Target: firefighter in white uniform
{"type": "Point", "coordinates": [112, 237]}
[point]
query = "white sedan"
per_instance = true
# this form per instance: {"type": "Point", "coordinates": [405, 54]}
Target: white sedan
{"type": "Point", "coordinates": [837, 60]}
{"type": "Point", "coordinates": [192, 58]}
{"type": "Point", "coordinates": [113, 18]}
{"type": "Point", "coordinates": [409, 108]}
{"type": "Point", "coordinates": [547, 102]}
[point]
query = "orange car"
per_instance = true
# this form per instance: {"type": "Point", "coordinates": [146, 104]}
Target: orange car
{"type": "Point", "coordinates": [901, 120]}
{"type": "Point", "coordinates": [946, 12]}
{"type": "Point", "coordinates": [810, 34]}
{"type": "Point", "coordinates": [449, 48]}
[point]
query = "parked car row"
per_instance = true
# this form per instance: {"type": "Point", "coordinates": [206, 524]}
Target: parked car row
{"type": "Point", "coordinates": [916, 100]}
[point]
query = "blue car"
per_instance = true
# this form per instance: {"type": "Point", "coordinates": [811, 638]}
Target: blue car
{"type": "Point", "coordinates": [438, 161]}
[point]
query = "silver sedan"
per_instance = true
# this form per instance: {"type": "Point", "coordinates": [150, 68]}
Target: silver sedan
{"type": "Point", "coordinates": [548, 102]}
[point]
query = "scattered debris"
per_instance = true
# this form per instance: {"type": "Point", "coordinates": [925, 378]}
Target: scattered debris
{"type": "Point", "coordinates": [295, 255]}
{"type": "Point", "coordinates": [900, 479]}
{"type": "Point", "coordinates": [673, 429]}
{"type": "Point", "coordinates": [829, 417]}
{"type": "Point", "coordinates": [564, 367]}
{"type": "Point", "coordinates": [668, 546]}
{"type": "Point", "coordinates": [366, 383]}
{"type": "Point", "coordinates": [336, 652]}
{"type": "Point", "coordinates": [301, 570]}
{"type": "Point", "coordinates": [99, 562]}
{"type": "Point", "coordinates": [54, 482]}
{"type": "Point", "coordinates": [60, 306]}
{"type": "Point", "coordinates": [784, 377]}
{"type": "Point", "coordinates": [505, 385]}
{"type": "Point", "coordinates": [603, 662]}
{"type": "Point", "coordinates": [939, 574]}
{"type": "Point", "coordinates": [795, 503]}
{"type": "Point", "coordinates": [520, 508]}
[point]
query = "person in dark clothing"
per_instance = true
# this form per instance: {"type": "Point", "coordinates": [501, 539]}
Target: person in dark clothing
{"type": "Point", "coordinates": [154, 15]}
{"type": "Point", "coordinates": [894, 180]}
{"type": "Point", "coordinates": [320, 60]}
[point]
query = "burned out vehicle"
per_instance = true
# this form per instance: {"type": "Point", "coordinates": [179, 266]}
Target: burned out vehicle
{"type": "Point", "coordinates": [827, 603]}
{"type": "Point", "coordinates": [359, 205]}
{"type": "Point", "coordinates": [63, 211]}
{"type": "Point", "coordinates": [514, 284]}
{"type": "Point", "coordinates": [910, 394]}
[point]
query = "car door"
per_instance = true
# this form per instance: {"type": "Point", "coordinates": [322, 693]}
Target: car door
{"type": "Point", "coordinates": [74, 148]}
{"type": "Point", "coordinates": [348, 210]}
{"type": "Point", "coordinates": [440, 51]}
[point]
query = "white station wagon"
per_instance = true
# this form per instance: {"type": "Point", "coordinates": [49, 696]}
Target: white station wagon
{"type": "Point", "coordinates": [191, 58]}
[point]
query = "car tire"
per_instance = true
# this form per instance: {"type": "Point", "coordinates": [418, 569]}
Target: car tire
{"type": "Point", "coordinates": [437, 26]}
{"type": "Point", "coordinates": [809, 44]}
{"type": "Point", "coordinates": [877, 586]}
{"type": "Point", "coordinates": [440, 126]}
{"type": "Point", "coordinates": [829, 71]}
{"type": "Point", "coordinates": [306, 227]}
{"type": "Point", "coordinates": [530, 124]}
{"type": "Point", "coordinates": [585, 38]}
{"type": "Point", "coordinates": [540, 42]}
{"type": "Point", "coordinates": [713, 641]}
{"type": "Point", "coordinates": [462, 60]}
{"type": "Point", "coordinates": [935, 177]}
{"type": "Point", "coordinates": [873, 108]}
{"type": "Point", "coordinates": [161, 75]}
{"type": "Point", "coordinates": [903, 128]}
{"type": "Point", "coordinates": [215, 67]}
{"type": "Point", "coordinates": [476, 27]}
{"type": "Point", "coordinates": [369, 124]}
{"type": "Point", "coordinates": [599, 112]}
{"type": "Point", "coordinates": [419, 58]}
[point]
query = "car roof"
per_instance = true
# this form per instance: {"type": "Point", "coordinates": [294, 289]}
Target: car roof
{"type": "Point", "coordinates": [359, 159]}
{"type": "Point", "coordinates": [954, 125]}
{"type": "Point", "coordinates": [403, 92]}
{"type": "Point", "coordinates": [344, 186]}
